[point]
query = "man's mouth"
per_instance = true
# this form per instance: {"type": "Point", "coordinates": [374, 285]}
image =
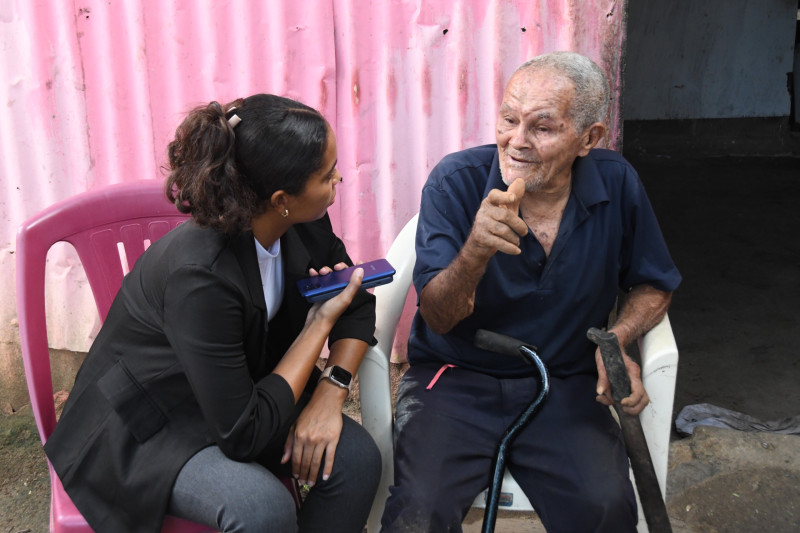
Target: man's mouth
{"type": "Point", "coordinates": [522, 161]}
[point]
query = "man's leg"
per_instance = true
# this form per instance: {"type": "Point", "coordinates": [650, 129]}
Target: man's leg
{"type": "Point", "coordinates": [571, 461]}
{"type": "Point", "coordinates": [445, 438]}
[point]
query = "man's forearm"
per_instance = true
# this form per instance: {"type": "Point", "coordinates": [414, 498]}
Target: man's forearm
{"type": "Point", "coordinates": [642, 309]}
{"type": "Point", "coordinates": [449, 297]}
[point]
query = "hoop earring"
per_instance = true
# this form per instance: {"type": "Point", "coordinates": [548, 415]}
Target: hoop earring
{"type": "Point", "coordinates": [285, 213]}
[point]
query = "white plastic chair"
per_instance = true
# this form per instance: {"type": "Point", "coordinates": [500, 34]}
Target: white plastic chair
{"type": "Point", "coordinates": [659, 356]}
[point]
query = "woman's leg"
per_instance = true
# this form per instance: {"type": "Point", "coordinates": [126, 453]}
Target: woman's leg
{"type": "Point", "coordinates": [235, 497]}
{"type": "Point", "coordinates": [342, 503]}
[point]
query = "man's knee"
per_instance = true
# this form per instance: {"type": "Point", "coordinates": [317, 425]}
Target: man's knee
{"type": "Point", "coordinates": [604, 508]}
{"type": "Point", "coordinates": [616, 506]}
{"type": "Point", "coordinates": [419, 511]}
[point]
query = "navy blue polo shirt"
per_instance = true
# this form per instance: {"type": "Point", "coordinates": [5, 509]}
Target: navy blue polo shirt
{"type": "Point", "coordinates": [608, 240]}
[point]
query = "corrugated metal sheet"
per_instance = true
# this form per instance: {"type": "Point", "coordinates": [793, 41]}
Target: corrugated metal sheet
{"type": "Point", "coordinates": [95, 88]}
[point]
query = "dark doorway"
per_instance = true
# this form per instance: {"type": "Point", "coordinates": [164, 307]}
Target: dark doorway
{"type": "Point", "coordinates": [726, 190]}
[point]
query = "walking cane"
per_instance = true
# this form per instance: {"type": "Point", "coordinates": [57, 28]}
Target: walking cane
{"type": "Point", "coordinates": [502, 344]}
{"type": "Point", "coordinates": [655, 511]}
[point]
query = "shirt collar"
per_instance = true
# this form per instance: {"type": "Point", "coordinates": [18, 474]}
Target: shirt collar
{"type": "Point", "coordinates": [587, 184]}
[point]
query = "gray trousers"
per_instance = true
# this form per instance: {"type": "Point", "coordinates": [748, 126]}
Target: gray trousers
{"type": "Point", "coordinates": [214, 490]}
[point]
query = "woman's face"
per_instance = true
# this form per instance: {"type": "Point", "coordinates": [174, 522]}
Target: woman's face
{"type": "Point", "coordinates": [320, 190]}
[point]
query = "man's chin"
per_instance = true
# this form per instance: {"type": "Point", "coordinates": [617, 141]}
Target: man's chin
{"type": "Point", "coordinates": [532, 183]}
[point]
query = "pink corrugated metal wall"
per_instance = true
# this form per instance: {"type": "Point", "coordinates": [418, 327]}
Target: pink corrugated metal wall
{"type": "Point", "coordinates": [95, 88]}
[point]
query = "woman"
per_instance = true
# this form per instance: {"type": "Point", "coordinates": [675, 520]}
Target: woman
{"type": "Point", "coordinates": [201, 388]}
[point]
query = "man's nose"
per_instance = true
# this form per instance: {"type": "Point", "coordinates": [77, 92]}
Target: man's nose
{"type": "Point", "coordinates": [519, 138]}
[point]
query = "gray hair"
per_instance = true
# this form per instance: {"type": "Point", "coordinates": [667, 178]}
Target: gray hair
{"type": "Point", "coordinates": [591, 100]}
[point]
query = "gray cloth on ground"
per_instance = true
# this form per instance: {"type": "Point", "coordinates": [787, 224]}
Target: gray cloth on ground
{"type": "Point", "coordinates": [705, 414]}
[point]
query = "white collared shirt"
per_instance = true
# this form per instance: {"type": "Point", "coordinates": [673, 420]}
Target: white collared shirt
{"type": "Point", "coordinates": [271, 267]}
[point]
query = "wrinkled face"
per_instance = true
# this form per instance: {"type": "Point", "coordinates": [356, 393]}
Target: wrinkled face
{"type": "Point", "coordinates": [536, 139]}
{"type": "Point", "coordinates": [320, 190]}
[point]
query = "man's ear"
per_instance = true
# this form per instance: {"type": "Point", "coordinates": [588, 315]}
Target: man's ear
{"type": "Point", "coordinates": [591, 136]}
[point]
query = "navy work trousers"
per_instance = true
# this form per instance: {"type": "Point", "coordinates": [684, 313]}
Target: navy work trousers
{"type": "Point", "coordinates": [570, 460]}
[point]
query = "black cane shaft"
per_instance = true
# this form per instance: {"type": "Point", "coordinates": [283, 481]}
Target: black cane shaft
{"type": "Point", "coordinates": [503, 344]}
{"type": "Point", "coordinates": [493, 495]}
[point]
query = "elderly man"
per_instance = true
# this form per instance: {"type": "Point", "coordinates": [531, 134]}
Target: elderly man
{"type": "Point", "coordinates": [533, 238]}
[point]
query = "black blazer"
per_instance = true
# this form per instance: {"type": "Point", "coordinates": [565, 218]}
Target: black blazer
{"type": "Point", "coordinates": [184, 361]}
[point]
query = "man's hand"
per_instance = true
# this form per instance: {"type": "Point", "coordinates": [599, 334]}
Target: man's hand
{"type": "Point", "coordinates": [641, 310]}
{"type": "Point", "coordinates": [450, 296]}
{"type": "Point", "coordinates": [498, 226]}
{"type": "Point", "coordinates": [638, 399]}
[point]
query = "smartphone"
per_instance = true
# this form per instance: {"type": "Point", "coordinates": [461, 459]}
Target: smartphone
{"type": "Point", "coordinates": [319, 288]}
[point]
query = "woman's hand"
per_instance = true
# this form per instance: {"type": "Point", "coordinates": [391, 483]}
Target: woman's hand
{"type": "Point", "coordinates": [316, 433]}
{"type": "Point", "coordinates": [326, 270]}
{"type": "Point", "coordinates": [330, 310]}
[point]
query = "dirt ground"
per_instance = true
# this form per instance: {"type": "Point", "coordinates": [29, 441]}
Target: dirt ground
{"type": "Point", "coordinates": [720, 481]}
{"type": "Point", "coordinates": [732, 226]}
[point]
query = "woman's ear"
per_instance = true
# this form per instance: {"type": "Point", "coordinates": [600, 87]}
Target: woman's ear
{"type": "Point", "coordinates": [591, 136]}
{"type": "Point", "coordinates": [279, 201]}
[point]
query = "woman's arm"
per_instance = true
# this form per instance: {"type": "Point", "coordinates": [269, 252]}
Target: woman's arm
{"type": "Point", "coordinates": [319, 426]}
{"type": "Point", "coordinates": [299, 360]}
{"type": "Point", "coordinates": [203, 322]}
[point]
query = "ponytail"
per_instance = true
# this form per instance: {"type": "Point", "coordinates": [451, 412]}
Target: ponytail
{"type": "Point", "coordinates": [224, 165]}
{"type": "Point", "coordinates": [203, 179]}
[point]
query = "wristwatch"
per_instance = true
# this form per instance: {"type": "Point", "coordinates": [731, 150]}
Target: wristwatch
{"type": "Point", "coordinates": [338, 375]}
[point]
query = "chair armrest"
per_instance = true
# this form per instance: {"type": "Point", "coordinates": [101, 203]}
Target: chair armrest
{"type": "Point", "coordinates": [373, 374]}
{"type": "Point", "coordinates": [659, 372]}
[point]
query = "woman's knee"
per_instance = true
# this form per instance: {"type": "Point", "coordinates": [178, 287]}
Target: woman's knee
{"type": "Point", "coordinates": [357, 456]}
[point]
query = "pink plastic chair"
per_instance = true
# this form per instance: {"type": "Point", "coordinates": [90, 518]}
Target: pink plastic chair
{"type": "Point", "coordinates": [99, 224]}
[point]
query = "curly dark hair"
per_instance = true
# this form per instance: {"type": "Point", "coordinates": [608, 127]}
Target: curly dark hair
{"type": "Point", "coordinates": [224, 175]}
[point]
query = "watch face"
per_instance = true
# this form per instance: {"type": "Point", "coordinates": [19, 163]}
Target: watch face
{"type": "Point", "coordinates": [341, 375]}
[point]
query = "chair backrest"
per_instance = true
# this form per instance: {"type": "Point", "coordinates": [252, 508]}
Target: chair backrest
{"type": "Point", "coordinates": [391, 298]}
{"type": "Point", "coordinates": [373, 375]}
{"type": "Point", "coordinates": [109, 228]}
